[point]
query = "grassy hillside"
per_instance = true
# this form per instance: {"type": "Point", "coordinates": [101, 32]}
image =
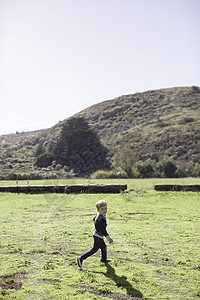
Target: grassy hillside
{"type": "Point", "coordinates": [155, 124]}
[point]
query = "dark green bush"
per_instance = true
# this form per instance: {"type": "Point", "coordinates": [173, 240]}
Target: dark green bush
{"type": "Point", "coordinates": [167, 168]}
{"type": "Point", "coordinates": [146, 169]}
{"type": "Point", "coordinates": [44, 160]}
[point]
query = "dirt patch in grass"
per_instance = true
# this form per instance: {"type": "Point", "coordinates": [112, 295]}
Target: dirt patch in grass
{"type": "Point", "coordinates": [48, 281]}
{"type": "Point", "coordinates": [86, 215]}
{"type": "Point", "coordinates": [156, 262]}
{"type": "Point", "coordinates": [138, 213]}
{"type": "Point", "coordinates": [106, 293]}
{"type": "Point", "coordinates": [14, 281]}
{"type": "Point", "coordinates": [131, 214]}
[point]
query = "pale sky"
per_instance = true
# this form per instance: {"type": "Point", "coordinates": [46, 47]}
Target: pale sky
{"type": "Point", "coordinates": [58, 57]}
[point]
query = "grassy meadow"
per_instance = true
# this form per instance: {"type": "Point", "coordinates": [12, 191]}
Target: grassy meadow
{"type": "Point", "coordinates": [155, 253]}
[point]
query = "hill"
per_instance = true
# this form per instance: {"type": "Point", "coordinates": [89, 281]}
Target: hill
{"type": "Point", "coordinates": [155, 124]}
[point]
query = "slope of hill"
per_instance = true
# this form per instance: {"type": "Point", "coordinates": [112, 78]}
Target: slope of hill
{"type": "Point", "coordinates": [155, 124]}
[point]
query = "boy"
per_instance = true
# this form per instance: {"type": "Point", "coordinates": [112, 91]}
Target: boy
{"type": "Point", "coordinates": [99, 233]}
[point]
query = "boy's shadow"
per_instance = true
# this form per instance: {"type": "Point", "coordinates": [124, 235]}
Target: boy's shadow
{"type": "Point", "coordinates": [121, 281]}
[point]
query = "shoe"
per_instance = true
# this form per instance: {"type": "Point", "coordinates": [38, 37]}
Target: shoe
{"type": "Point", "coordinates": [105, 260]}
{"type": "Point", "coordinates": [79, 262]}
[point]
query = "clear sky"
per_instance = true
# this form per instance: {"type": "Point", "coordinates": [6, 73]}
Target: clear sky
{"type": "Point", "coordinates": [58, 57]}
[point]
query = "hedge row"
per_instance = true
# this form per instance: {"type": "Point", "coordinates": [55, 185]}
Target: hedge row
{"type": "Point", "coordinates": [178, 187]}
{"type": "Point", "coordinates": [90, 188]}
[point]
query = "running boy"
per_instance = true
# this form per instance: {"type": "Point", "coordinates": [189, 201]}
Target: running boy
{"type": "Point", "coordinates": [99, 233]}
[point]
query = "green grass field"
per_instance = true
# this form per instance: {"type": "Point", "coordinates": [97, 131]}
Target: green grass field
{"type": "Point", "coordinates": [155, 254]}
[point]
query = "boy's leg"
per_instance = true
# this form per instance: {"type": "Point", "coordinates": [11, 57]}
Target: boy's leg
{"type": "Point", "coordinates": [95, 248]}
{"type": "Point", "coordinates": [103, 248]}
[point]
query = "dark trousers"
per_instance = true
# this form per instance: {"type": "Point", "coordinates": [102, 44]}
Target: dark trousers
{"type": "Point", "coordinates": [98, 244]}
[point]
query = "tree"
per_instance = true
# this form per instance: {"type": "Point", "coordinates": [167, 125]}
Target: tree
{"type": "Point", "coordinates": [79, 147]}
{"type": "Point", "coordinates": [197, 170]}
{"type": "Point", "coordinates": [146, 168]}
{"type": "Point", "coordinates": [44, 160]}
{"type": "Point", "coordinates": [168, 168]}
{"type": "Point", "coordinates": [39, 150]}
{"type": "Point", "coordinates": [125, 159]}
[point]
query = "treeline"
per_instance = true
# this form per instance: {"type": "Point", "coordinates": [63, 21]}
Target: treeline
{"type": "Point", "coordinates": [127, 164]}
{"type": "Point", "coordinates": [78, 152]}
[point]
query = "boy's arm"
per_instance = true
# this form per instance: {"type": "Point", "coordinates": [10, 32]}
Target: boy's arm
{"type": "Point", "coordinates": [109, 239]}
{"type": "Point", "coordinates": [104, 231]}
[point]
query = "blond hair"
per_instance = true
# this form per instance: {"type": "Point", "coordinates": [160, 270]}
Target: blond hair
{"type": "Point", "coordinates": [101, 203]}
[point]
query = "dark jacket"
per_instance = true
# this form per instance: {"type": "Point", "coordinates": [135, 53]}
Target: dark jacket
{"type": "Point", "coordinates": [100, 226]}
